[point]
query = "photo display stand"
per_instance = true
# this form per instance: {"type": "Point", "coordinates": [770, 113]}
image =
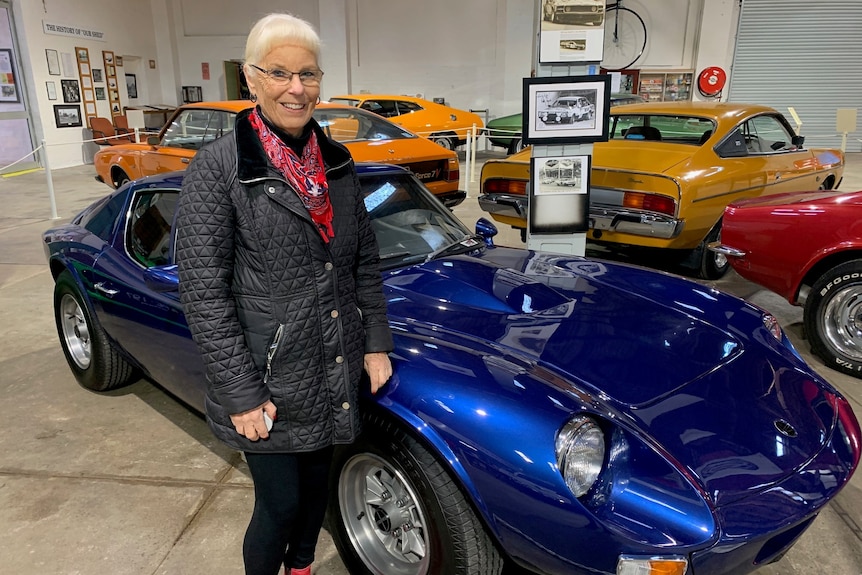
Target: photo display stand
{"type": "Point", "coordinates": [565, 111]}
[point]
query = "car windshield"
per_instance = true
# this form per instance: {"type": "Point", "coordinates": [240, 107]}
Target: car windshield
{"type": "Point", "coordinates": [677, 129]}
{"type": "Point", "coordinates": [355, 125]}
{"type": "Point", "coordinates": [411, 224]}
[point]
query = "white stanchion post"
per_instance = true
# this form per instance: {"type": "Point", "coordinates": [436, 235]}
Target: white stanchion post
{"type": "Point", "coordinates": [467, 157]}
{"type": "Point", "coordinates": [473, 158]}
{"type": "Point", "coordinates": [47, 167]}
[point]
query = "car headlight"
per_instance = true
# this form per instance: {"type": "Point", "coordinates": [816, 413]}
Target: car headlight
{"type": "Point", "coordinates": [580, 448]}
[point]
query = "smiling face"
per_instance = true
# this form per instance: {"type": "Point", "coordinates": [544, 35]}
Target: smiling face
{"type": "Point", "coordinates": [289, 106]}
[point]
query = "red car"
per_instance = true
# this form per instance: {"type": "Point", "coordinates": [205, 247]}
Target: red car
{"type": "Point", "coordinates": [806, 247]}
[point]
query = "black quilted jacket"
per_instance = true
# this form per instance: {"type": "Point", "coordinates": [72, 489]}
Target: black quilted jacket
{"type": "Point", "coordinates": [276, 312]}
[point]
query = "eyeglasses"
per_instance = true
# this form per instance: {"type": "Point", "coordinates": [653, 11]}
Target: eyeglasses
{"type": "Point", "coordinates": [283, 77]}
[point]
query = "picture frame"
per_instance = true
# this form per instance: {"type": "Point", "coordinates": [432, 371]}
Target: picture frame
{"type": "Point", "coordinates": [53, 58]}
{"type": "Point", "coordinates": [71, 91]}
{"type": "Point", "coordinates": [132, 86]}
{"type": "Point", "coordinates": [111, 72]}
{"type": "Point", "coordinates": [152, 64]}
{"type": "Point", "coordinates": [108, 56]}
{"type": "Point", "coordinates": [118, 60]}
{"type": "Point", "coordinates": [66, 116]}
{"type": "Point", "coordinates": [566, 109]}
{"type": "Point", "coordinates": [559, 202]}
{"type": "Point", "coordinates": [10, 88]}
{"type": "Point", "coordinates": [82, 54]}
{"type": "Point", "coordinates": [100, 93]}
{"type": "Point", "coordinates": [51, 87]}
{"type": "Point", "coordinates": [97, 75]}
{"type": "Point", "coordinates": [578, 39]}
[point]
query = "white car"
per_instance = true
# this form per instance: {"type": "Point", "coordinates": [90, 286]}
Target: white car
{"type": "Point", "coordinates": [568, 109]}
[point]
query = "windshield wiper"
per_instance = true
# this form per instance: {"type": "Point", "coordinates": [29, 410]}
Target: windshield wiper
{"type": "Point", "coordinates": [393, 255]}
{"type": "Point", "coordinates": [467, 243]}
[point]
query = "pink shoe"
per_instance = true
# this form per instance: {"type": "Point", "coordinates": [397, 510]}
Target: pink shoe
{"type": "Point", "coordinates": [303, 571]}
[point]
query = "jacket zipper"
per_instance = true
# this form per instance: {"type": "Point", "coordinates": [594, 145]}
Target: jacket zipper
{"type": "Point", "coordinates": [270, 353]}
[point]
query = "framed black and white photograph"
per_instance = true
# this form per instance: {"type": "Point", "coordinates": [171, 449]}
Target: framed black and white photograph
{"type": "Point", "coordinates": [97, 75]}
{"type": "Point", "coordinates": [108, 57]}
{"type": "Point", "coordinates": [67, 116]}
{"type": "Point", "coordinates": [566, 109]}
{"type": "Point", "coordinates": [575, 35]}
{"type": "Point", "coordinates": [132, 85]}
{"type": "Point", "coordinates": [53, 61]}
{"type": "Point", "coordinates": [100, 93]}
{"type": "Point", "coordinates": [83, 54]}
{"type": "Point", "coordinates": [52, 90]}
{"type": "Point", "coordinates": [560, 194]}
{"type": "Point", "coordinates": [71, 91]}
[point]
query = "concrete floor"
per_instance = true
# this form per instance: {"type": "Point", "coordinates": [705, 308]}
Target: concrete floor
{"type": "Point", "coordinates": [132, 483]}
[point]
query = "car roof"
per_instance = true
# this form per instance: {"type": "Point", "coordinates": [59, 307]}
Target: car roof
{"type": "Point", "coordinates": [720, 111]}
{"type": "Point", "coordinates": [383, 97]}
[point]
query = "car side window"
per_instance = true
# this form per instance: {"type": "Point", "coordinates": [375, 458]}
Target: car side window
{"type": "Point", "coordinates": [385, 108]}
{"type": "Point", "coordinates": [621, 124]}
{"type": "Point", "coordinates": [767, 135]}
{"type": "Point", "coordinates": [220, 123]}
{"type": "Point", "coordinates": [148, 233]}
{"type": "Point", "coordinates": [187, 130]}
{"type": "Point", "coordinates": [407, 107]}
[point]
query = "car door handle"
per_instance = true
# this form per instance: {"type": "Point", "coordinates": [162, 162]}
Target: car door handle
{"type": "Point", "coordinates": [185, 160]}
{"type": "Point", "coordinates": [100, 287]}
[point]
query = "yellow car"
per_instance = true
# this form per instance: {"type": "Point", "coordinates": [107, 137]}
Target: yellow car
{"type": "Point", "coordinates": [368, 137]}
{"type": "Point", "coordinates": [669, 169]}
{"type": "Point", "coordinates": [443, 125]}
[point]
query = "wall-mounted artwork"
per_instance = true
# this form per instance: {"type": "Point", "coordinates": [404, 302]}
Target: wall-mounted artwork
{"type": "Point", "coordinates": [67, 116]}
{"type": "Point", "coordinates": [71, 91]}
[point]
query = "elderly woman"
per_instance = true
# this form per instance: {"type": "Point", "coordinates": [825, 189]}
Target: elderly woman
{"type": "Point", "coordinates": [280, 284]}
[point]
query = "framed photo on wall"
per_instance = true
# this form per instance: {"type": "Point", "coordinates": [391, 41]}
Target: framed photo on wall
{"type": "Point", "coordinates": [100, 93]}
{"type": "Point", "coordinates": [53, 62]}
{"type": "Point", "coordinates": [560, 194]}
{"type": "Point", "coordinates": [52, 90]}
{"type": "Point", "coordinates": [97, 75]}
{"type": "Point", "coordinates": [566, 109]}
{"type": "Point", "coordinates": [71, 91]}
{"type": "Point", "coordinates": [67, 116]}
{"type": "Point", "coordinates": [132, 85]}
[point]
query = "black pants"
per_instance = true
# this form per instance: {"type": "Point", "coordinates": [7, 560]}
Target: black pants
{"type": "Point", "coordinates": [290, 493]}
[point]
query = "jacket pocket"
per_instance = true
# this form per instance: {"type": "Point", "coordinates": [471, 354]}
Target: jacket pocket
{"type": "Point", "coordinates": [271, 350]}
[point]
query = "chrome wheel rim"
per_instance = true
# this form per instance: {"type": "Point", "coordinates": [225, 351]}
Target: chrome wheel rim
{"type": "Point", "coordinates": [443, 142]}
{"type": "Point", "coordinates": [76, 331]}
{"type": "Point", "coordinates": [383, 517]}
{"type": "Point", "coordinates": [842, 322]}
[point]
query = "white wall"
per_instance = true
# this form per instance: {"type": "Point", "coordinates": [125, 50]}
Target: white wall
{"type": "Point", "coordinates": [472, 53]}
{"type": "Point", "coordinates": [128, 32]}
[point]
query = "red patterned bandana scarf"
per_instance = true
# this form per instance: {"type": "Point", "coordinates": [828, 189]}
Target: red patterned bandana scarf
{"type": "Point", "coordinates": [307, 174]}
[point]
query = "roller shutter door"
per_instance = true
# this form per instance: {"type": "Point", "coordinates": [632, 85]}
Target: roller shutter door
{"type": "Point", "coordinates": [803, 54]}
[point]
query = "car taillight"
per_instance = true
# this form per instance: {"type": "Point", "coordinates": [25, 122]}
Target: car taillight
{"type": "Point", "coordinates": [649, 202]}
{"type": "Point", "coordinates": [454, 171]}
{"type": "Point", "coordinates": [518, 187]}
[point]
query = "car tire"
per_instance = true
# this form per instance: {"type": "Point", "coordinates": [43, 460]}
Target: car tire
{"type": "Point", "coordinates": [373, 532]}
{"type": "Point", "coordinates": [516, 145]}
{"type": "Point", "coordinates": [832, 311]}
{"type": "Point", "coordinates": [713, 265]}
{"type": "Point", "coordinates": [444, 141]}
{"type": "Point", "coordinates": [120, 178]}
{"type": "Point", "coordinates": [92, 358]}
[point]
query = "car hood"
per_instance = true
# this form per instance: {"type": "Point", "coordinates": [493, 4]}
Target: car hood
{"type": "Point", "coordinates": [641, 349]}
{"type": "Point", "coordinates": [640, 156]}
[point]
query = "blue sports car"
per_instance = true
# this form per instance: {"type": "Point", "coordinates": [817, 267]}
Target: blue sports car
{"type": "Point", "coordinates": [553, 413]}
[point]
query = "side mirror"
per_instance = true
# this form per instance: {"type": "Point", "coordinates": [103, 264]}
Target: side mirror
{"type": "Point", "coordinates": [153, 140]}
{"type": "Point", "coordinates": [797, 141]}
{"type": "Point", "coordinates": [486, 229]}
{"type": "Point", "coordinates": [162, 278]}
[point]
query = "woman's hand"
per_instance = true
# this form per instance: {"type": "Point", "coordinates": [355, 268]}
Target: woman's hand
{"type": "Point", "coordinates": [379, 369]}
{"type": "Point", "coordinates": [250, 424]}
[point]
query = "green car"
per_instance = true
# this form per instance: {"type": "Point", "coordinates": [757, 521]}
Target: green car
{"type": "Point", "coordinates": [506, 131]}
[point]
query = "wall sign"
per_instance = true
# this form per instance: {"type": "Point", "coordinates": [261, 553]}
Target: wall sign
{"type": "Point", "coordinates": [72, 31]}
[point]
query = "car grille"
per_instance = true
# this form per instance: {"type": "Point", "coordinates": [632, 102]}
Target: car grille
{"type": "Point", "coordinates": [429, 171]}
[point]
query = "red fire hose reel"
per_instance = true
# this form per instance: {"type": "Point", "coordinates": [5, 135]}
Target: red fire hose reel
{"type": "Point", "coordinates": [711, 81]}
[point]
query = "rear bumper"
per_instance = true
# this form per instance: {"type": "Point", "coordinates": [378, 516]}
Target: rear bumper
{"type": "Point", "coordinates": [638, 223]}
{"type": "Point", "coordinates": [452, 199]}
{"type": "Point", "coordinates": [506, 205]}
